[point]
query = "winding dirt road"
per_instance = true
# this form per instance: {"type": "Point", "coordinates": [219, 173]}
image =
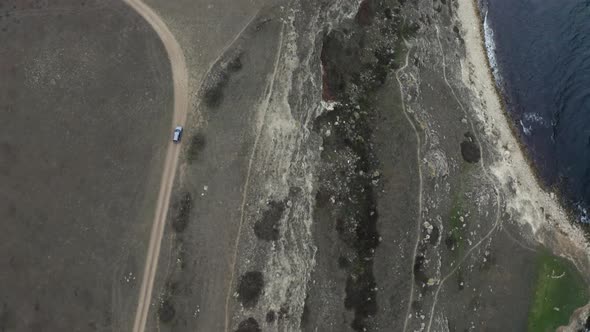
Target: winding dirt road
{"type": "Point", "coordinates": [180, 80]}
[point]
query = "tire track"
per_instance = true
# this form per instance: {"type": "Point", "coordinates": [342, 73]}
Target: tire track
{"type": "Point", "coordinates": [180, 81]}
{"type": "Point", "coordinates": [418, 156]}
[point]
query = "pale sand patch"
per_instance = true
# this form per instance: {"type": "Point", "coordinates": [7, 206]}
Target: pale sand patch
{"type": "Point", "coordinates": [526, 201]}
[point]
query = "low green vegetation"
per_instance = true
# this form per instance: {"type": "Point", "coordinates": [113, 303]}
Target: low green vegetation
{"type": "Point", "coordinates": [457, 224]}
{"type": "Point", "coordinates": [559, 290]}
{"type": "Point", "coordinates": [456, 233]}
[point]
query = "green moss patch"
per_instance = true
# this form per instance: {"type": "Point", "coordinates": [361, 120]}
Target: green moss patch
{"type": "Point", "coordinates": [559, 290]}
{"type": "Point", "coordinates": [455, 241]}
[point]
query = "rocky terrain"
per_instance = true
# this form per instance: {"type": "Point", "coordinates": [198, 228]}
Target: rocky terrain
{"type": "Point", "coordinates": [364, 192]}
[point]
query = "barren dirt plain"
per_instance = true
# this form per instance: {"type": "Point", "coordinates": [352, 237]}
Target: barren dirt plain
{"type": "Point", "coordinates": [86, 97]}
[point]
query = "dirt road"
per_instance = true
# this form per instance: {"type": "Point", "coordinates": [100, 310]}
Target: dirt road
{"type": "Point", "coordinates": [180, 80]}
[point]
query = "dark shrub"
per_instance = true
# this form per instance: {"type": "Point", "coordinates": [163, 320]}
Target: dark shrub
{"type": "Point", "coordinates": [250, 287]}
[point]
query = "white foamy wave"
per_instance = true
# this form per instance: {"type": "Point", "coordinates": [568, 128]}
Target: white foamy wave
{"type": "Point", "coordinates": [583, 212]}
{"type": "Point", "coordinates": [490, 45]}
{"type": "Point", "coordinates": [525, 200]}
{"type": "Point", "coordinates": [526, 130]}
{"type": "Point", "coordinates": [530, 120]}
{"type": "Point", "coordinates": [534, 117]}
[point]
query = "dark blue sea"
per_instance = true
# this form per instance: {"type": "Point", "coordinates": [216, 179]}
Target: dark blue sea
{"type": "Point", "coordinates": [542, 55]}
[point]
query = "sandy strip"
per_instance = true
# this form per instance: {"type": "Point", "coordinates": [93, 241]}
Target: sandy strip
{"type": "Point", "coordinates": [526, 201]}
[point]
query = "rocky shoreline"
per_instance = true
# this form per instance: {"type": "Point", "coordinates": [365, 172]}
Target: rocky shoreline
{"type": "Point", "coordinates": [479, 207]}
{"type": "Point", "coordinates": [528, 202]}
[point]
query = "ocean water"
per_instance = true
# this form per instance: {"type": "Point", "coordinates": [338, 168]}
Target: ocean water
{"type": "Point", "coordinates": [541, 53]}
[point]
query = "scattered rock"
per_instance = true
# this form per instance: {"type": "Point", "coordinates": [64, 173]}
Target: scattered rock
{"type": "Point", "coordinates": [428, 227]}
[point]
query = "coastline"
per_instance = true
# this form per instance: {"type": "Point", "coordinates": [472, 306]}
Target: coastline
{"type": "Point", "coordinates": [574, 210]}
{"type": "Point", "coordinates": [526, 200]}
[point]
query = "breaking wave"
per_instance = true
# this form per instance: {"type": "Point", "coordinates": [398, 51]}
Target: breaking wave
{"type": "Point", "coordinates": [490, 45]}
